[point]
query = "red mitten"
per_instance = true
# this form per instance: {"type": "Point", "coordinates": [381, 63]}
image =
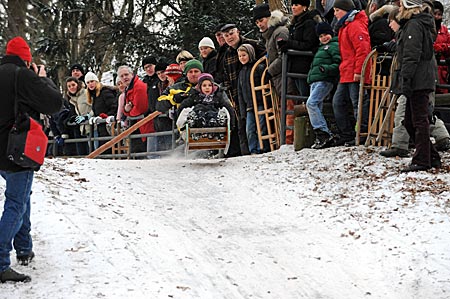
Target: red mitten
{"type": "Point", "coordinates": [103, 115]}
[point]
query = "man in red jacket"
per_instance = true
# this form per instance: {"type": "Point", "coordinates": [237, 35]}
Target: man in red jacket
{"type": "Point", "coordinates": [136, 104]}
{"type": "Point", "coordinates": [354, 46]}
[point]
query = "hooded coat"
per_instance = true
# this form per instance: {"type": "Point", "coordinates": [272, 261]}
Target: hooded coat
{"type": "Point", "coordinates": [354, 45]}
{"type": "Point", "coordinates": [416, 67]}
{"type": "Point", "coordinates": [244, 86]}
{"type": "Point", "coordinates": [277, 30]}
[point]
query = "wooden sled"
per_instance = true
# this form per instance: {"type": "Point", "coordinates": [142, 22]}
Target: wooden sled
{"type": "Point", "coordinates": [205, 143]}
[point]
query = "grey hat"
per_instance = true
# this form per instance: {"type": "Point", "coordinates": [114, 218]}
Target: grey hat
{"type": "Point", "coordinates": [346, 5]}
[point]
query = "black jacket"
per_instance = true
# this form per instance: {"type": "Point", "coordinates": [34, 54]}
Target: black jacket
{"type": "Point", "coordinates": [209, 63]}
{"type": "Point", "coordinates": [244, 88]}
{"type": "Point", "coordinates": [35, 95]}
{"type": "Point", "coordinates": [152, 91]}
{"type": "Point", "coordinates": [303, 37]}
{"type": "Point", "coordinates": [416, 67]}
{"type": "Point", "coordinates": [104, 101]}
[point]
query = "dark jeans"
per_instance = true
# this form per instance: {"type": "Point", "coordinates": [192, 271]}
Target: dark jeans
{"type": "Point", "coordinates": [417, 124]}
{"type": "Point", "coordinates": [15, 222]}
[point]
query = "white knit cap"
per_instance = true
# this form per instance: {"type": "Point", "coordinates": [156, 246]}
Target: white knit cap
{"type": "Point", "coordinates": [90, 76]}
{"type": "Point", "coordinates": [412, 3]}
{"type": "Point", "coordinates": [206, 42]}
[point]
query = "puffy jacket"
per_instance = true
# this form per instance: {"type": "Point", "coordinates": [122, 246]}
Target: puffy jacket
{"type": "Point", "coordinates": [442, 49]}
{"type": "Point", "coordinates": [34, 94]}
{"type": "Point", "coordinates": [354, 46]}
{"type": "Point", "coordinates": [379, 29]}
{"type": "Point", "coordinates": [277, 30]}
{"type": "Point", "coordinates": [325, 65]}
{"type": "Point", "coordinates": [416, 67]}
{"type": "Point", "coordinates": [81, 107]}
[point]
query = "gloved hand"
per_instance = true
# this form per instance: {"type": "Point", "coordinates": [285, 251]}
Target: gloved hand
{"type": "Point", "coordinates": [282, 44]}
{"type": "Point", "coordinates": [179, 97]}
{"type": "Point", "coordinates": [438, 47]}
{"type": "Point", "coordinates": [59, 140]}
{"type": "Point", "coordinates": [381, 48]}
{"type": "Point", "coordinates": [94, 120]}
{"type": "Point", "coordinates": [103, 115]}
{"type": "Point", "coordinates": [82, 118]}
{"type": "Point", "coordinates": [110, 119]}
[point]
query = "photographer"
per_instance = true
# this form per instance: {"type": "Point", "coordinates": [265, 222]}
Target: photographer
{"type": "Point", "coordinates": [35, 94]}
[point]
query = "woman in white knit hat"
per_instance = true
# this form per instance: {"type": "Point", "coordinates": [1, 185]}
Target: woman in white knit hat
{"type": "Point", "coordinates": [208, 54]}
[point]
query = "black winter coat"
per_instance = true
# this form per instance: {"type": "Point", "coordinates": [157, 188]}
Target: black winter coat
{"type": "Point", "coordinates": [152, 91]}
{"type": "Point", "coordinates": [244, 88]}
{"type": "Point", "coordinates": [303, 37]}
{"type": "Point", "coordinates": [35, 95]}
{"type": "Point", "coordinates": [104, 102]}
{"type": "Point", "coordinates": [209, 63]}
{"type": "Point", "coordinates": [416, 67]}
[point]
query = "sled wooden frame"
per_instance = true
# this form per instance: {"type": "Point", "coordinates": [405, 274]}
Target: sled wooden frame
{"type": "Point", "coordinates": [206, 143]}
{"type": "Point", "coordinates": [381, 104]}
{"type": "Point", "coordinates": [123, 135]}
{"type": "Point", "coordinates": [123, 146]}
{"type": "Point", "coordinates": [270, 110]}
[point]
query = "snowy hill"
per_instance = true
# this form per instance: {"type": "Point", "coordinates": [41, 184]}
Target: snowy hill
{"type": "Point", "coordinates": [335, 223]}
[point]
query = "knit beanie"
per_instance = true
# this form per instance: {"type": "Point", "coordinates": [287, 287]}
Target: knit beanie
{"type": "Point", "coordinates": [225, 28]}
{"type": "Point", "coordinates": [412, 3]}
{"type": "Point", "coordinates": [174, 71]}
{"type": "Point", "coordinates": [250, 51]}
{"type": "Point", "coordinates": [160, 66]}
{"type": "Point", "coordinates": [148, 60]}
{"type": "Point", "coordinates": [206, 42]}
{"type": "Point", "coordinates": [324, 28]}
{"type": "Point", "coordinates": [205, 76]}
{"type": "Point", "coordinates": [193, 64]}
{"type": "Point", "coordinates": [261, 11]}
{"type": "Point", "coordinates": [301, 2]}
{"type": "Point", "coordinates": [438, 5]}
{"type": "Point", "coordinates": [90, 76]}
{"type": "Point", "coordinates": [19, 47]}
{"type": "Point", "coordinates": [346, 5]}
{"type": "Point", "coordinates": [77, 66]}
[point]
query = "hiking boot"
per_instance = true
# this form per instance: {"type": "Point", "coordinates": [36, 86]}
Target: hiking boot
{"type": "Point", "coordinates": [24, 260]}
{"type": "Point", "coordinates": [342, 140]}
{"type": "Point", "coordinates": [442, 145]}
{"type": "Point", "coordinates": [415, 167]}
{"type": "Point", "coordinates": [11, 275]}
{"type": "Point", "coordinates": [323, 140]}
{"type": "Point", "coordinates": [395, 152]}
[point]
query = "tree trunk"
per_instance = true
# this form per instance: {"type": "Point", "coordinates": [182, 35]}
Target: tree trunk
{"type": "Point", "coordinates": [17, 18]}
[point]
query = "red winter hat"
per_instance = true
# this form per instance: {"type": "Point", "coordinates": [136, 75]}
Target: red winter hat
{"type": "Point", "coordinates": [19, 47]}
{"type": "Point", "coordinates": [174, 71]}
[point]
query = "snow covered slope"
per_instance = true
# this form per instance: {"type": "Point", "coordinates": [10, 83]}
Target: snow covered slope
{"type": "Point", "coordinates": [335, 223]}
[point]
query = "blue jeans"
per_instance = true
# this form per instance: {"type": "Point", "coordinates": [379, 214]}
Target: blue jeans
{"type": "Point", "coordinates": [15, 223]}
{"type": "Point", "coordinates": [252, 134]}
{"type": "Point", "coordinates": [319, 90]}
{"type": "Point", "coordinates": [348, 93]}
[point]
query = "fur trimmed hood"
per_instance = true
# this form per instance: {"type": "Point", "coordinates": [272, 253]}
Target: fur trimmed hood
{"type": "Point", "coordinates": [381, 12]}
{"type": "Point", "coordinates": [277, 18]}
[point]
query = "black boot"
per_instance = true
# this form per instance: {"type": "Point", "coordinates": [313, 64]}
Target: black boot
{"type": "Point", "coordinates": [323, 139]}
{"type": "Point", "coordinates": [11, 275]}
{"type": "Point", "coordinates": [24, 260]}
